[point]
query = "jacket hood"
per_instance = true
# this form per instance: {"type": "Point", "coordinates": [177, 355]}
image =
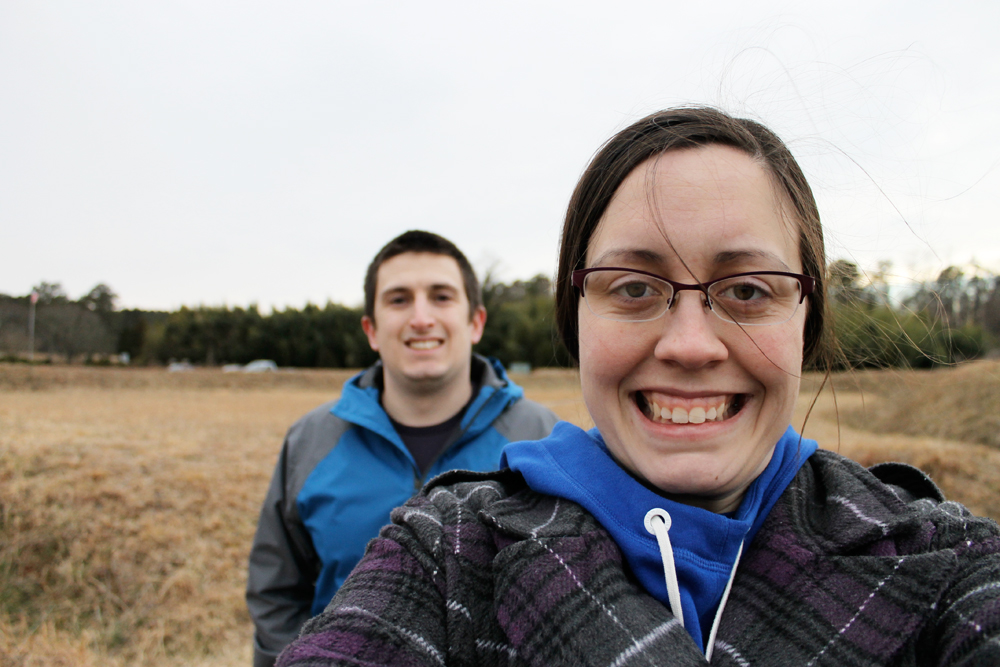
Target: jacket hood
{"type": "Point", "coordinates": [576, 465]}
{"type": "Point", "coordinates": [493, 391]}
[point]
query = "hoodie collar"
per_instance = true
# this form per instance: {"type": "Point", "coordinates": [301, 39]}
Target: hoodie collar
{"type": "Point", "coordinates": [576, 465]}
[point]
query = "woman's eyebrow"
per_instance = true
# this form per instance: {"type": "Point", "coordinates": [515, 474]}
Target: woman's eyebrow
{"type": "Point", "coordinates": [733, 256]}
{"type": "Point", "coordinates": [633, 254]}
{"type": "Point", "coordinates": [613, 256]}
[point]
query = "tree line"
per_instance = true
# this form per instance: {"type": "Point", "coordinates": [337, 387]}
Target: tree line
{"type": "Point", "coordinates": [942, 321]}
{"type": "Point", "coordinates": [92, 329]}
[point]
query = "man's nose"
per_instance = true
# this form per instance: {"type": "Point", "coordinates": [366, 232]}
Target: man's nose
{"type": "Point", "coordinates": [422, 316]}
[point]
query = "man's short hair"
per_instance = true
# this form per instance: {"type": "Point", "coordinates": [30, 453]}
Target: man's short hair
{"type": "Point", "coordinates": [417, 240]}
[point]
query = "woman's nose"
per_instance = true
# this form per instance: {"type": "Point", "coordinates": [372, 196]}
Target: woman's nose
{"type": "Point", "coordinates": [689, 335]}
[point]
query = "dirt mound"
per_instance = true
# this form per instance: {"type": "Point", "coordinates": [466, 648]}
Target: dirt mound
{"type": "Point", "coordinates": [959, 403]}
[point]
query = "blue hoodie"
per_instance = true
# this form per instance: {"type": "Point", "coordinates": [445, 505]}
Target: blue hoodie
{"type": "Point", "coordinates": [575, 465]}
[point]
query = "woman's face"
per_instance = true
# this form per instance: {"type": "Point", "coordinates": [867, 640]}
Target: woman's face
{"type": "Point", "coordinates": [714, 209]}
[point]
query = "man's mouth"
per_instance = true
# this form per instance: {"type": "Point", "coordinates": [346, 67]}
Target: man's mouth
{"type": "Point", "coordinates": [424, 344]}
{"type": "Point", "coordinates": [664, 409]}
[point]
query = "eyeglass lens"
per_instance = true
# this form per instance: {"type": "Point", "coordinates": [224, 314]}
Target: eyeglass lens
{"type": "Point", "coordinates": [749, 299]}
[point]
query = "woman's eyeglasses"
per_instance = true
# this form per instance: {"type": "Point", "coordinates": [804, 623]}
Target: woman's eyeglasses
{"type": "Point", "coordinates": [757, 297]}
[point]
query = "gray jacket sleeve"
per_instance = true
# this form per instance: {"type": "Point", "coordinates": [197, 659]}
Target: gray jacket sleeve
{"type": "Point", "coordinates": [282, 571]}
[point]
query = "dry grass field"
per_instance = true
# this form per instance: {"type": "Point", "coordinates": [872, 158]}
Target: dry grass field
{"type": "Point", "coordinates": [128, 497]}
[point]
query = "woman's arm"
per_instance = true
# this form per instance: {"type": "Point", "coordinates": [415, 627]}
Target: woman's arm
{"type": "Point", "coordinates": [391, 610]}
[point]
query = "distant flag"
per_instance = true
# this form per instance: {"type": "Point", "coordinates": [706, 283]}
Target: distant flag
{"type": "Point", "coordinates": [31, 325]}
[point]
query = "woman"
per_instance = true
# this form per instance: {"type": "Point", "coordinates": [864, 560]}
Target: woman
{"type": "Point", "coordinates": [693, 524]}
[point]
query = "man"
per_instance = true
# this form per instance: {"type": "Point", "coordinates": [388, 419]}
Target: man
{"type": "Point", "coordinates": [429, 405]}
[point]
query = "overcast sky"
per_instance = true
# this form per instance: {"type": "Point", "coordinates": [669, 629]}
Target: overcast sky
{"type": "Point", "coordinates": [248, 152]}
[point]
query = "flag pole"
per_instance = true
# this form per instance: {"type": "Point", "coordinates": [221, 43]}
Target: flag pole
{"type": "Point", "coordinates": [31, 325]}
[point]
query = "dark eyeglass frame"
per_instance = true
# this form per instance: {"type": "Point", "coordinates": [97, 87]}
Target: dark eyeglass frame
{"type": "Point", "coordinates": [807, 284]}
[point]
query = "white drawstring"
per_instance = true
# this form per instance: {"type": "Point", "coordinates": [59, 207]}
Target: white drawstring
{"type": "Point", "coordinates": [658, 523]}
{"type": "Point", "coordinates": [722, 605]}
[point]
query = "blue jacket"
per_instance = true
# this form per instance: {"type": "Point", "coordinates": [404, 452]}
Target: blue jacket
{"type": "Point", "coordinates": [342, 469]}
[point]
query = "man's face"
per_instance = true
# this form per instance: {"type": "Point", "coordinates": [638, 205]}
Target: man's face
{"type": "Point", "coordinates": [422, 328]}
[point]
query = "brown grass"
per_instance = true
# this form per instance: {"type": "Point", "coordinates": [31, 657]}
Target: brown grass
{"type": "Point", "coordinates": [966, 471]}
{"type": "Point", "coordinates": [128, 497]}
{"type": "Point", "coordinates": [957, 403]}
{"type": "Point", "coordinates": [127, 512]}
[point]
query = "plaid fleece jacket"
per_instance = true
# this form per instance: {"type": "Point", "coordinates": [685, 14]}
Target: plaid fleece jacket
{"type": "Point", "coordinates": [480, 570]}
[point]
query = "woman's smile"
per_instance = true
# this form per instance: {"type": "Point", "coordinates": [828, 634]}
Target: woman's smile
{"type": "Point", "coordinates": [671, 409]}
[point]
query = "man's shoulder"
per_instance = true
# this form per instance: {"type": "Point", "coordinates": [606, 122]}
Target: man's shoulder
{"type": "Point", "coordinates": [310, 440]}
{"type": "Point", "coordinates": [318, 428]}
{"type": "Point", "coordinates": [525, 419]}
{"type": "Point", "coordinates": [319, 417]}
{"type": "Point", "coordinates": [321, 423]}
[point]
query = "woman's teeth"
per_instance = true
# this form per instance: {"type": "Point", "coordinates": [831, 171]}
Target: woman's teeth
{"type": "Point", "coordinates": [677, 415]}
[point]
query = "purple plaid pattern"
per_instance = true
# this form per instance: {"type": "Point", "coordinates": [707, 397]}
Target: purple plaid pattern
{"type": "Point", "coordinates": [480, 570]}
